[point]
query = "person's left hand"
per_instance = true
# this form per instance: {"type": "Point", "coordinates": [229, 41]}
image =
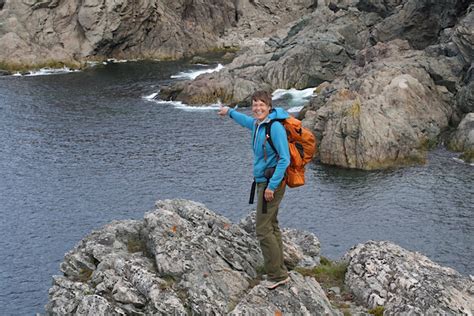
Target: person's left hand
{"type": "Point", "coordinates": [268, 194]}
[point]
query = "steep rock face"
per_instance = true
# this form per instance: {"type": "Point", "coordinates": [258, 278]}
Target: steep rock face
{"type": "Point", "coordinates": [463, 37]}
{"type": "Point", "coordinates": [387, 109]}
{"type": "Point", "coordinates": [420, 21]}
{"type": "Point", "coordinates": [406, 283]}
{"type": "Point", "coordinates": [313, 50]}
{"type": "Point", "coordinates": [68, 30]}
{"type": "Point", "coordinates": [182, 258]}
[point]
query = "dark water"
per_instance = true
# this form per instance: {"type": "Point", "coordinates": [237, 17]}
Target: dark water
{"type": "Point", "coordinates": [82, 149]}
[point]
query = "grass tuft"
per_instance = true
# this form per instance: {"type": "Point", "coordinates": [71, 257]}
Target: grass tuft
{"type": "Point", "coordinates": [377, 311]}
{"type": "Point", "coordinates": [328, 273]}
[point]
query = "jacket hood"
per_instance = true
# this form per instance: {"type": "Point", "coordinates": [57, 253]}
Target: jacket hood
{"type": "Point", "coordinates": [278, 113]}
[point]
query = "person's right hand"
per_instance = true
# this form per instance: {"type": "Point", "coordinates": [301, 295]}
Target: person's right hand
{"type": "Point", "coordinates": [223, 110]}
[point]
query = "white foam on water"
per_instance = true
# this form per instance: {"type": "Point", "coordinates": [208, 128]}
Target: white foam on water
{"type": "Point", "coordinates": [151, 96]}
{"type": "Point", "coordinates": [91, 63]}
{"type": "Point", "coordinates": [192, 74]}
{"type": "Point", "coordinates": [50, 71]}
{"type": "Point", "coordinates": [459, 160]}
{"type": "Point", "coordinates": [118, 61]}
{"type": "Point", "coordinates": [295, 109]}
{"type": "Point", "coordinates": [182, 106]}
{"type": "Point", "coordinates": [294, 94]}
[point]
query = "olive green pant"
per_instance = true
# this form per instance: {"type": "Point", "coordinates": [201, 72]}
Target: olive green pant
{"type": "Point", "coordinates": [269, 234]}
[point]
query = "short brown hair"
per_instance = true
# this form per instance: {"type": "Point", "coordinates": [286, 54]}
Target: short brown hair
{"type": "Point", "coordinates": [263, 96]}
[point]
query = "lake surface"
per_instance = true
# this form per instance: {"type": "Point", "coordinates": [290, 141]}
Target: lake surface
{"type": "Point", "coordinates": [82, 149]}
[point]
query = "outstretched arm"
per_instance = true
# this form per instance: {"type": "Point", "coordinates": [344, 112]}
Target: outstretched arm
{"type": "Point", "coordinates": [242, 119]}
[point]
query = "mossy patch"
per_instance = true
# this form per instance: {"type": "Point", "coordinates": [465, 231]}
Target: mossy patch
{"type": "Point", "coordinates": [468, 156]}
{"type": "Point", "coordinates": [14, 67]}
{"type": "Point", "coordinates": [328, 273]}
{"type": "Point", "coordinates": [84, 275]}
{"type": "Point", "coordinates": [428, 143]}
{"type": "Point", "coordinates": [414, 159]}
{"type": "Point", "coordinates": [354, 110]}
{"type": "Point", "coordinates": [168, 283]}
{"type": "Point", "coordinates": [331, 274]}
{"type": "Point", "coordinates": [377, 311]}
{"type": "Point", "coordinates": [136, 245]}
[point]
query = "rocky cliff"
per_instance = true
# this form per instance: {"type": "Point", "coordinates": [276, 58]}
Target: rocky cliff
{"type": "Point", "coordinates": [400, 76]}
{"type": "Point", "coordinates": [393, 77]}
{"type": "Point", "coordinates": [35, 32]}
{"type": "Point", "coordinates": [184, 259]}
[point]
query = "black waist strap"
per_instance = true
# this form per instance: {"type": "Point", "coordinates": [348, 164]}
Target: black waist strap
{"type": "Point", "coordinates": [252, 196]}
{"type": "Point", "coordinates": [252, 192]}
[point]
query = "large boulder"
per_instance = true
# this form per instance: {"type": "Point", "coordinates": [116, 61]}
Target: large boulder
{"type": "Point", "coordinates": [390, 107]}
{"type": "Point", "coordinates": [182, 258]}
{"type": "Point", "coordinates": [405, 282]}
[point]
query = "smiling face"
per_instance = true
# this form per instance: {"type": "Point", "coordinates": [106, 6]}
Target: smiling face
{"type": "Point", "coordinates": [260, 109]}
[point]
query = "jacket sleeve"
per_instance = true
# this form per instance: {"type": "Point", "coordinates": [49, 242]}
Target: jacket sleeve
{"type": "Point", "coordinates": [242, 119]}
{"type": "Point", "coordinates": [280, 141]}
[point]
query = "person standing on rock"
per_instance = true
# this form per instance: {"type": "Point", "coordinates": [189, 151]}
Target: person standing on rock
{"type": "Point", "coordinates": [269, 170]}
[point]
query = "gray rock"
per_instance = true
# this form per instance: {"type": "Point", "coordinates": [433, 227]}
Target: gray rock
{"type": "Point", "coordinates": [406, 283]}
{"type": "Point", "coordinates": [35, 32]}
{"type": "Point", "coordinates": [302, 296]}
{"type": "Point", "coordinates": [387, 110]}
{"type": "Point", "coordinates": [419, 21]}
{"type": "Point", "coordinates": [463, 36]}
{"type": "Point", "coordinates": [463, 138]}
{"type": "Point", "coordinates": [181, 258]}
{"type": "Point", "coordinates": [308, 52]}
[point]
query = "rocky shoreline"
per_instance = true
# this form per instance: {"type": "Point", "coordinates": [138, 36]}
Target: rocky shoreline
{"type": "Point", "coordinates": [393, 78]}
{"type": "Point", "coordinates": [183, 258]}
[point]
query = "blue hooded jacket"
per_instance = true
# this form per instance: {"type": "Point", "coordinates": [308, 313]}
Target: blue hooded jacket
{"type": "Point", "coordinates": [262, 148]}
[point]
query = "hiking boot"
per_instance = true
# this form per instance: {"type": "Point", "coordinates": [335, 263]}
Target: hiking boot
{"type": "Point", "coordinates": [270, 284]}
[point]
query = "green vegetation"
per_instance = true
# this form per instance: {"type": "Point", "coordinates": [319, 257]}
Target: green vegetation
{"type": "Point", "coordinates": [54, 64]}
{"type": "Point", "coordinates": [331, 274]}
{"type": "Point", "coordinates": [354, 110]}
{"type": "Point", "coordinates": [169, 282]}
{"type": "Point", "coordinates": [428, 143]}
{"type": "Point", "coordinates": [328, 274]}
{"type": "Point", "coordinates": [260, 270]}
{"type": "Point", "coordinates": [377, 311]}
{"type": "Point", "coordinates": [468, 156]}
{"type": "Point", "coordinates": [136, 245]}
{"type": "Point", "coordinates": [84, 275]}
{"type": "Point", "coordinates": [395, 163]}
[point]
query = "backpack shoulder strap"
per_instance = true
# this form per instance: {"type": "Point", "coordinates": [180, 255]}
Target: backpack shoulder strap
{"type": "Point", "coordinates": [268, 129]}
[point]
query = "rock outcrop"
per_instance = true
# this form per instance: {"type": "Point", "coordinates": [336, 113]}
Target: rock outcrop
{"type": "Point", "coordinates": [463, 138]}
{"type": "Point", "coordinates": [36, 32]}
{"type": "Point", "coordinates": [313, 50]}
{"type": "Point", "coordinates": [387, 110]}
{"type": "Point", "coordinates": [389, 99]}
{"type": "Point", "coordinates": [182, 258]}
{"type": "Point", "coordinates": [350, 43]}
{"type": "Point", "coordinates": [406, 283]}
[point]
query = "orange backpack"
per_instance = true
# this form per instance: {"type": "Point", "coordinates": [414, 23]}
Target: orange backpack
{"type": "Point", "coordinates": [302, 145]}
